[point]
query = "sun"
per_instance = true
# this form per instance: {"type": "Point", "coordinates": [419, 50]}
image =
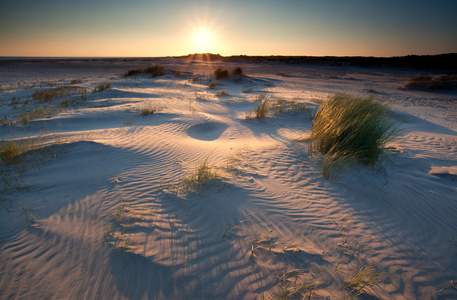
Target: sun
{"type": "Point", "coordinates": [203, 41]}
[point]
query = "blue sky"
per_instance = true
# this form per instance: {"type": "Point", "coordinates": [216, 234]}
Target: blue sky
{"type": "Point", "coordinates": [250, 27]}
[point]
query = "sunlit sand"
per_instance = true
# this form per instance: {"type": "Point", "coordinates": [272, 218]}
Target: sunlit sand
{"type": "Point", "coordinates": [169, 187]}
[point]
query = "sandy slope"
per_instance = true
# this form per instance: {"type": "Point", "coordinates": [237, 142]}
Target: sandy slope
{"type": "Point", "coordinates": [105, 229]}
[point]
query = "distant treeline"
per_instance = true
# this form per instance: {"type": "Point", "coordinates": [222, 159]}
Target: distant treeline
{"type": "Point", "coordinates": [441, 61]}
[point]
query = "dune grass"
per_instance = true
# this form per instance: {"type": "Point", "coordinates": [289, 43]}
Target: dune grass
{"type": "Point", "coordinates": [10, 151]}
{"type": "Point", "coordinates": [102, 87]}
{"type": "Point", "coordinates": [260, 110]}
{"type": "Point", "coordinates": [212, 85]}
{"type": "Point", "coordinates": [349, 129]}
{"type": "Point", "coordinates": [179, 74]}
{"type": "Point", "coordinates": [222, 93]}
{"type": "Point", "coordinates": [267, 106]}
{"type": "Point", "coordinates": [429, 82]}
{"type": "Point", "coordinates": [147, 111]}
{"type": "Point", "coordinates": [199, 178]}
{"type": "Point", "coordinates": [237, 71]}
{"type": "Point", "coordinates": [362, 278]}
{"type": "Point", "coordinates": [195, 181]}
{"type": "Point", "coordinates": [221, 73]}
{"type": "Point", "coordinates": [155, 71]}
{"type": "Point", "coordinates": [76, 81]}
{"type": "Point", "coordinates": [46, 95]}
{"type": "Point", "coordinates": [452, 285]}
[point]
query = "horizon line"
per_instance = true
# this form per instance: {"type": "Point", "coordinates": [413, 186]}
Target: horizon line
{"type": "Point", "coordinates": [217, 54]}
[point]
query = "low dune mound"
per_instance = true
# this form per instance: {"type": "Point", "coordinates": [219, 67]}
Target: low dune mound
{"type": "Point", "coordinates": [208, 131]}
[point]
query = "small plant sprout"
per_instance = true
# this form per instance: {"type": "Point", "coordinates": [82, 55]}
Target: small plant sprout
{"type": "Point", "coordinates": [108, 233]}
{"type": "Point", "coordinates": [127, 121]}
{"type": "Point", "coordinates": [229, 228]}
{"type": "Point", "coordinates": [263, 238]}
{"type": "Point", "coordinates": [29, 217]}
{"type": "Point", "coordinates": [452, 285]}
{"type": "Point", "coordinates": [124, 245]}
{"type": "Point", "coordinates": [120, 214]}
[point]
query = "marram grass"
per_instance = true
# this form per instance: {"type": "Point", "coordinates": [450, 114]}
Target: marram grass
{"type": "Point", "coordinates": [349, 129]}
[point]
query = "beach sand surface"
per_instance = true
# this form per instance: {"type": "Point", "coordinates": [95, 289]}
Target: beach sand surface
{"type": "Point", "coordinates": [101, 211]}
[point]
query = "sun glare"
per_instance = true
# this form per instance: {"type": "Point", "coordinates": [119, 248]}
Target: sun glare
{"type": "Point", "coordinates": [202, 41]}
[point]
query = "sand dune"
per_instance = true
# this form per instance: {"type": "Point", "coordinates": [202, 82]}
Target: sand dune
{"type": "Point", "coordinates": [110, 219]}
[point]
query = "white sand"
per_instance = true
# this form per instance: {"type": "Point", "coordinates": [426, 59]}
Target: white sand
{"type": "Point", "coordinates": [100, 193]}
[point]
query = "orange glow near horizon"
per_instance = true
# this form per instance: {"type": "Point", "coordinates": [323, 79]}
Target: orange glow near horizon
{"type": "Point", "coordinates": [176, 28]}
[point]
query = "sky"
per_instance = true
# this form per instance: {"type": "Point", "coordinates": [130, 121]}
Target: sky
{"type": "Point", "coordinates": [153, 28]}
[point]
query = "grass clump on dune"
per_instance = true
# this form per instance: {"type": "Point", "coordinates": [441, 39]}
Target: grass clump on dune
{"type": "Point", "coordinates": [362, 279]}
{"type": "Point", "coordinates": [429, 82]}
{"type": "Point", "coordinates": [42, 96]}
{"type": "Point", "coordinates": [196, 180]}
{"type": "Point", "coordinates": [222, 93]}
{"type": "Point", "coordinates": [237, 71]}
{"type": "Point", "coordinates": [102, 87]}
{"type": "Point", "coordinates": [349, 129]}
{"type": "Point", "coordinates": [263, 108]}
{"type": "Point", "coordinates": [155, 71]}
{"type": "Point", "coordinates": [147, 111]}
{"type": "Point", "coordinates": [10, 151]}
{"type": "Point", "coordinates": [266, 106]}
{"type": "Point", "coordinates": [221, 73]}
{"type": "Point", "coordinates": [201, 177]}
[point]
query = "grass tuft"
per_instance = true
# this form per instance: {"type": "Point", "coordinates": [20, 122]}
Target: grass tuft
{"type": "Point", "coordinates": [237, 71]}
{"type": "Point", "coordinates": [212, 85]}
{"type": "Point", "coordinates": [429, 82]}
{"type": "Point", "coordinates": [199, 177]}
{"type": "Point", "coordinates": [266, 106]}
{"type": "Point", "coordinates": [9, 152]}
{"type": "Point", "coordinates": [42, 96]}
{"type": "Point", "coordinates": [76, 81]}
{"type": "Point", "coordinates": [102, 87]}
{"type": "Point", "coordinates": [362, 278]}
{"type": "Point", "coordinates": [348, 129]}
{"type": "Point", "coordinates": [155, 71]}
{"type": "Point", "coordinates": [222, 93]}
{"type": "Point", "coordinates": [452, 285]}
{"type": "Point", "coordinates": [262, 110]}
{"type": "Point", "coordinates": [194, 182]}
{"type": "Point", "coordinates": [179, 74]}
{"type": "Point", "coordinates": [221, 73]}
{"type": "Point", "coordinates": [147, 111]}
